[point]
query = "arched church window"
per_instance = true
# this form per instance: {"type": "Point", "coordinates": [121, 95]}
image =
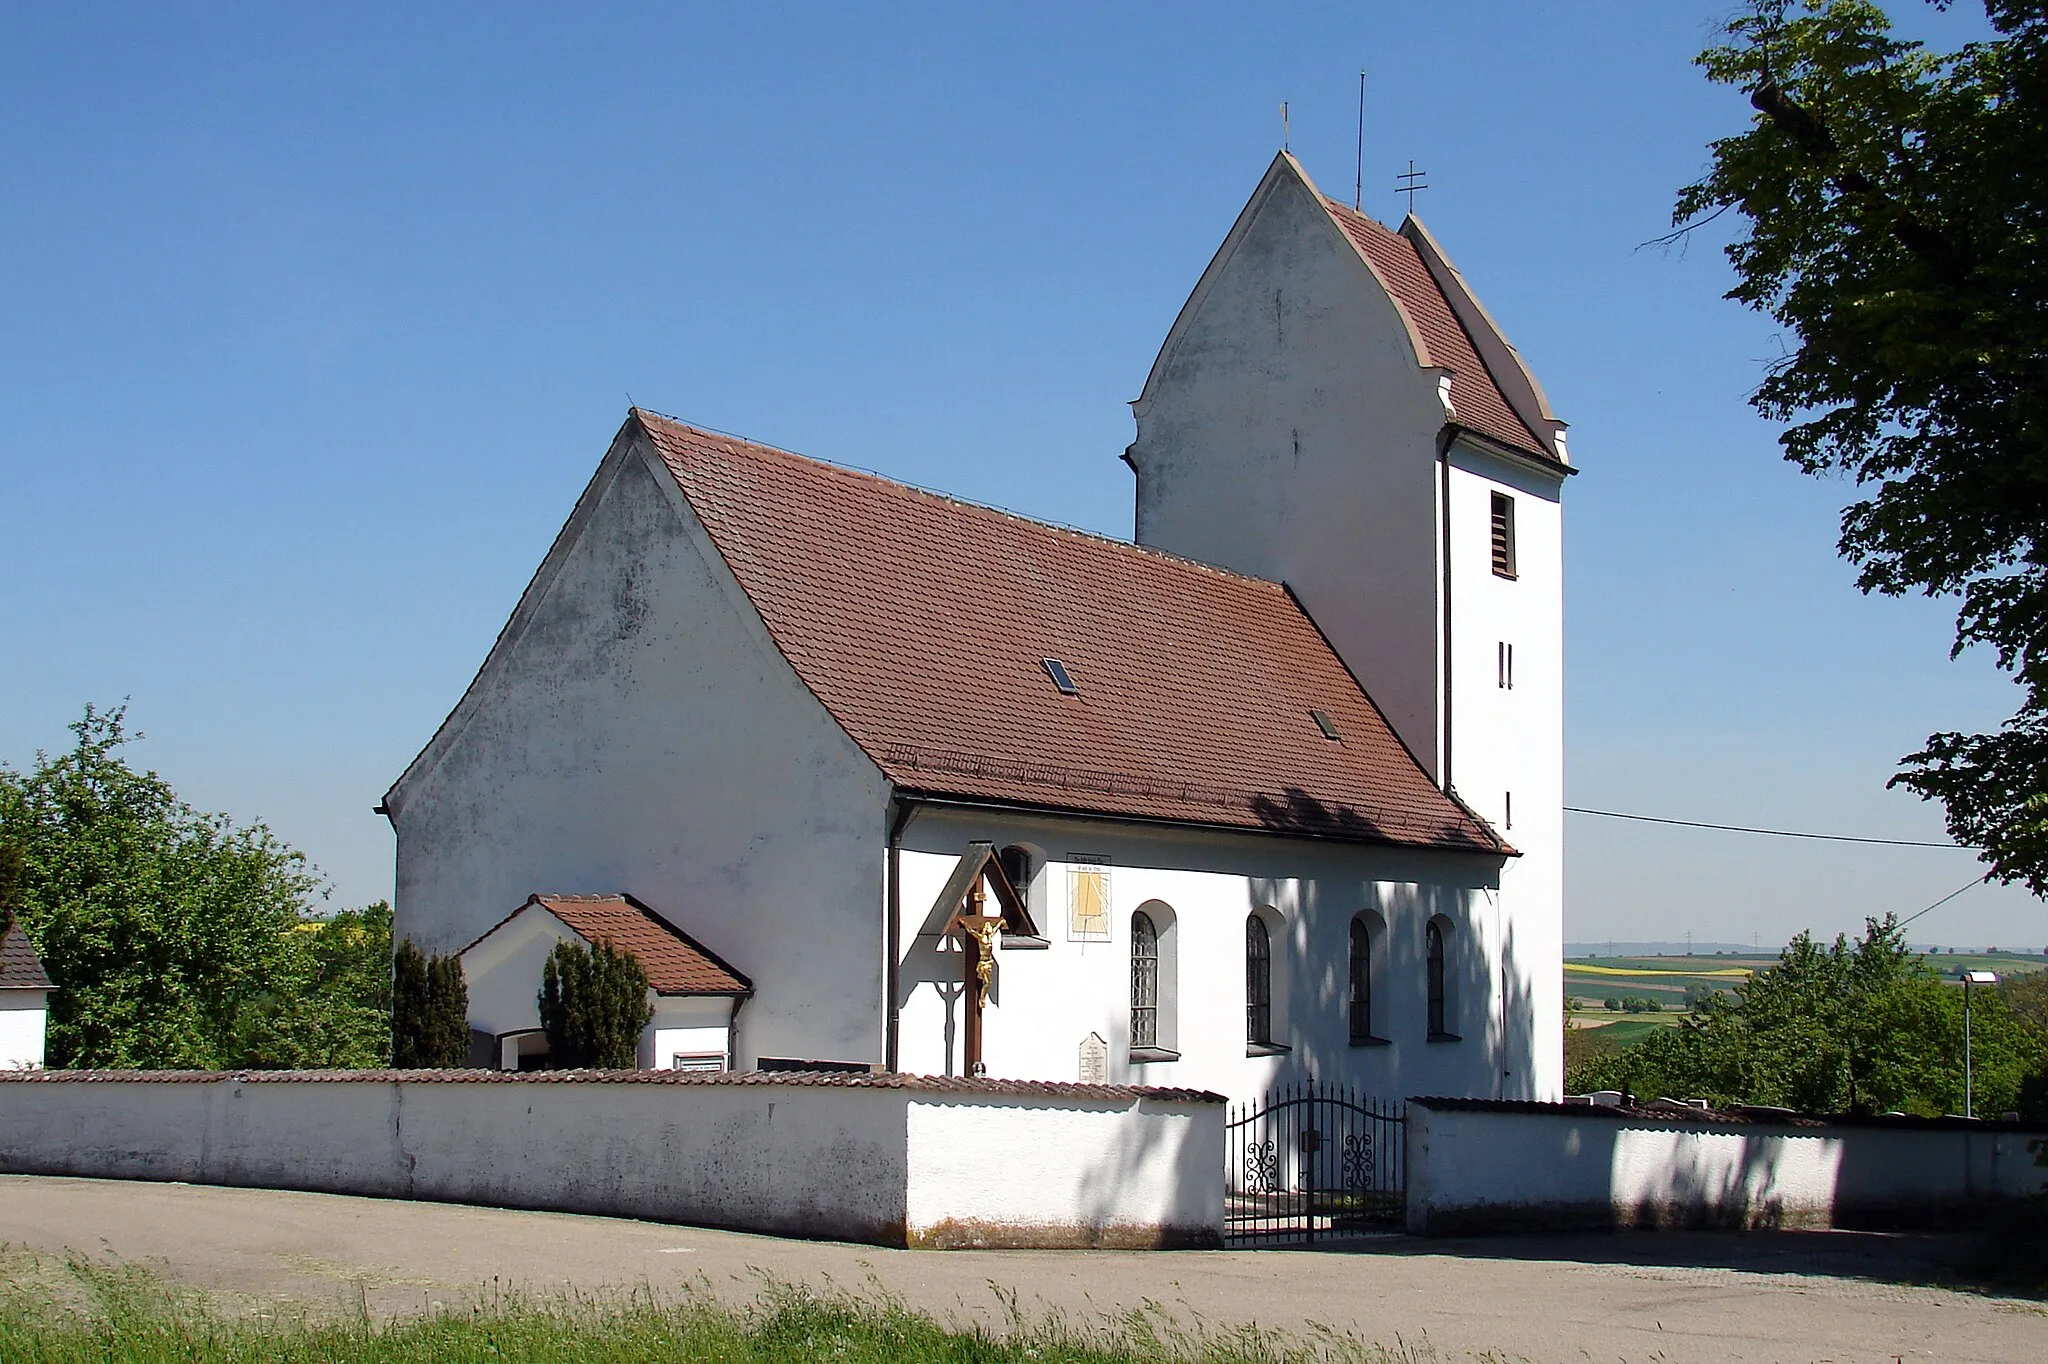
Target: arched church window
{"type": "Point", "coordinates": [1434, 954]}
{"type": "Point", "coordinates": [1144, 981]}
{"type": "Point", "coordinates": [1361, 981]}
{"type": "Point", "coordinates": [1258, 980]}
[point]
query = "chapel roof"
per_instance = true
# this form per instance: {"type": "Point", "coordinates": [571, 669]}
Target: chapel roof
{"type": "Point", "coordinates": [1476, 393]}
{"type": "Point", "coordinates": [20, 968]}
{"type": "Point", "coordinates": [922, 624]}
{"type": "Point", "coordinates": [675, 963]}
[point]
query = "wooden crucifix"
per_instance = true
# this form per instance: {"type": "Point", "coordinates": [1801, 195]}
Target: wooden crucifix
{"type": "Point", "coordinates": [978, 967]}
{"type": "Point", "coordinates": [965, 901]}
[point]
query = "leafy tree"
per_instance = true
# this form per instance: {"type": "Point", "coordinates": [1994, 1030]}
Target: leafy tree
{"type": "Point", "coordinates": [429, 1010]}
{"type": "Point", "coordinates": [160, 925]}
{"type": "Point", "coordinates": [332, 1009]}
{"type": "Point", "coordinates": [593, 1006]}
{"type": "Point", "coordinates": [2027, 996]}
{"type": "Point", "coordinates": [1867, 1027]}
{"type": "Point", "coordinates": [1896, 204]}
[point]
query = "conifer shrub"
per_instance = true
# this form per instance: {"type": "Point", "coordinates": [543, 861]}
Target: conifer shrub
{"type": "Point", "coordinates": [429, 1010]}
{"type": "Point", "coordinates": [593, 1006]}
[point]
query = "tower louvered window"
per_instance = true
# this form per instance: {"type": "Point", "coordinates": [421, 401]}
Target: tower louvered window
{"type": "Point", "coordinates": [1503, 535]}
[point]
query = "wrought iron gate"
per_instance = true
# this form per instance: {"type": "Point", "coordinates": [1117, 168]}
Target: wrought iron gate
{"type": "Point", "coordinates": [1312, 1160]}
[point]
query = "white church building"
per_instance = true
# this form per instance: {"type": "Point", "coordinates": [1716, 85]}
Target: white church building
{"type": "Point", "coordinates": [1273, 791]}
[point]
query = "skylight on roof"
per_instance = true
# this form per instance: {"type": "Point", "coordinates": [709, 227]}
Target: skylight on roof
{"type": "Point", "coordinates": [1057, 671]}
{"type": "Point", "coordinates": [1324, 723]}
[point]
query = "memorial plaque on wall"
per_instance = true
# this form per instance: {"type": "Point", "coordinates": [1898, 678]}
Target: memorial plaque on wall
{"type": "Point", "coordinates": [1094, 1060]}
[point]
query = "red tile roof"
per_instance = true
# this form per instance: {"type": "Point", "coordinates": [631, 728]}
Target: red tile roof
{"type": "Point", "coordinates": [1475, 393]}
{"type": "Point", "coordinates": [920, 623]}
{"type": "Point", "coordinates": [675, 963]}
{"type": "Point", "coordinates": [20, 968]}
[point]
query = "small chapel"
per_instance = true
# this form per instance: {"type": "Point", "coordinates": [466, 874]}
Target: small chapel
{"type": "Point", "coordinates": [871, 778]}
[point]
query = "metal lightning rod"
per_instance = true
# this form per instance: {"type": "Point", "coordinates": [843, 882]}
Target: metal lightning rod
{"type": "Point", "coordinates": [1358, 180]}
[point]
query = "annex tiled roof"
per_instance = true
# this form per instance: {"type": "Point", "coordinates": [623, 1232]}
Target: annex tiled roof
{"type": "Point", "coordinates": [675, 963]}
{"type": "Point", "coordinates": [20, 968]}
{"type": "Point", "coordinates": [920, 623]}
{"type": "Point", "coordinates": [1475, 393]}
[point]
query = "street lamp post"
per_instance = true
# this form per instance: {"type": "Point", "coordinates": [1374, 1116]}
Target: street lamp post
{"type": "Point", "coordinates": [1969, 1095]}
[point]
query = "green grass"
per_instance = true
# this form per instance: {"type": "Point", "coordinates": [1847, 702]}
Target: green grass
{"type": "Point", "coordinates": [1634, 1029]}
{"type": "Point", "coordinates": [76, 1310]}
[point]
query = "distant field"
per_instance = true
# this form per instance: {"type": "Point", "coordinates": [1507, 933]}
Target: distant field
{"type": "Point", "coordinates": [1664, 979]}
{"type": "Point", "coordinates": [1595, 980]}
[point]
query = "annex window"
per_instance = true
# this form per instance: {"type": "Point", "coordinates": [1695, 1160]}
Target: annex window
{"type": "Point", "coordinates": [1360, 1001]}
{"type": "Point", "coordinates": [1258, 981]}
{"type": "Point", "coordinates": [1018, 865]}
{"type": "Point", "coordinates": [1144, 982]}
{"type": "Point", "coordinates": [1439, 999]}
{"type": "Point", "coordinates": [1503, 535]}
{"type": "Point", "coordinates": [1504, 666]}
{"type": "Point", "coordinates": [697, 1060]}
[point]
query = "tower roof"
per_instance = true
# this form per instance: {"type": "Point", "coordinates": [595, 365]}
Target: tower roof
{"type": "Point", "coordinates": [1477, 394]}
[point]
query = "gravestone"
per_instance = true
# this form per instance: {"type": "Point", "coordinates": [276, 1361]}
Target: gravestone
{"type": "Point", "coordinates": [1094, 1060]}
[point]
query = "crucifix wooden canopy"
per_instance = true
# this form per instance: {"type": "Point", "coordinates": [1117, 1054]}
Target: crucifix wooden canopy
{"type": "Point", "coordinates": [979, 866]}
{"type": "Point", "coordinates": [964, 902]}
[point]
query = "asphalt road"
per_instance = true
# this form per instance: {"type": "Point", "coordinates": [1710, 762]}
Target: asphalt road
{"type": "Point", "coordinates": [1635, 1296]}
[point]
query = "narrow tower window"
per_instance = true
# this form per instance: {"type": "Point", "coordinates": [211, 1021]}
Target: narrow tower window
{"type": "Point", "coordinates": [1503, 535]}
{"type": "Point", "coordinates": [1504, 665]}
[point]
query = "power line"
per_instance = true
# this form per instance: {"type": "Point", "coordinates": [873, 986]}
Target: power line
{"type": "Point", "coordinates": [1973, 881]}
{"type": "Point", "coordinates": [1774, 833]}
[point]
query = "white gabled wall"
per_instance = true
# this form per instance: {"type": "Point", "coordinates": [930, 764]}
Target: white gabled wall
{"type": "Point", "coordinates": [635, 729]}
{"type": "Point", "coordinates": [1288, 431]}
{"type": "Point", "coordinates": [24, 1016]}
{"type": "Point", "coordinates": [1508, 741]}
{"type": "Point", "coordinates": [1046, 1001]}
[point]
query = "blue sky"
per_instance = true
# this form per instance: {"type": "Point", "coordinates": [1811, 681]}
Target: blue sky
{"type": "Point", "coordinates": [314, 321]}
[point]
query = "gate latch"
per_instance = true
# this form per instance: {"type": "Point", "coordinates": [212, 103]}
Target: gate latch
{"type": "Point", "coordinates": [1311, 1141]}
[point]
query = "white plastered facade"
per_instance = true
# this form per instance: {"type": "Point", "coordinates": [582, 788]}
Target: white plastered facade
{"type": "Point", "coordinates": [1198, 887]}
